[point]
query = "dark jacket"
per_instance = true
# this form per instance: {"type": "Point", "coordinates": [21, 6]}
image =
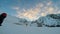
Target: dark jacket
{"type": "Point", "coordinates": [2, 17]}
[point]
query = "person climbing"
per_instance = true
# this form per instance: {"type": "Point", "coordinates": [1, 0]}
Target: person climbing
{"type": "Point", "coordinates": [2, 17]}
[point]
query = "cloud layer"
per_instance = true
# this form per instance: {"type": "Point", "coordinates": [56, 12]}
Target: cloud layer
{"type": "Point", "coordinates": [40, 9]}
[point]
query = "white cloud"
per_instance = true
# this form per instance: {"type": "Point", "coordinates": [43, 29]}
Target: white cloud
{"type": "Point", "coordinates": [43, 14]}
{"type": "Point", "coordinates": [49, 3]}
{"type": "Point", "coordinates": [41, 9]}
{"type": "Point", "coordinates": [32, 12]}
{"type": "Point", "coordinates": [16, 8]}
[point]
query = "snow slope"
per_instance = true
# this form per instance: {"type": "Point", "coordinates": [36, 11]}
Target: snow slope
{"type": "Point", "coordinates": [10, 28]}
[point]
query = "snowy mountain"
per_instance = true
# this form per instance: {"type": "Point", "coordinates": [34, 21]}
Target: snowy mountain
{"type": "Point", "coordinates": [51, 20]}
{"type": "Point", "coordinates": [11, 25]}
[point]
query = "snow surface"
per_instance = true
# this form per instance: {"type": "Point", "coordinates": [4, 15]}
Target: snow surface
{"type": "Point", "coordinates": [8, 27]}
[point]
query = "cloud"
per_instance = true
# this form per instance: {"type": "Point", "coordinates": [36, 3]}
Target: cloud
{"type": "Point", "coordinates": [43, 14]}
{"type": "Point", "coordinates": [16, 8]}
{"type": "Point", "coordinates": [41, 9]}
{"type": "Point", "coordinates": [49, 3]}
{"type": "Point", "coordinates": [50, 10]}
{"type": "Point", "coordinates": [31, 13]}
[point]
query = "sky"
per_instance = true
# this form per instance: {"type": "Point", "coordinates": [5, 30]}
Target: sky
{"type": "Point", "coordinates": [30, 9]}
